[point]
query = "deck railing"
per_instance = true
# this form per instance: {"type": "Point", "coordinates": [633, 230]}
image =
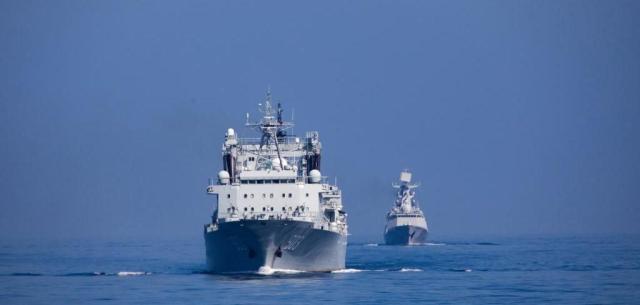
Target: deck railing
{"type": "Point", "coordinates": [281, 140]}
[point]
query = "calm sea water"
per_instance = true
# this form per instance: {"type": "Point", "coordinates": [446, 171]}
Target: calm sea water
{"type": "Point", "coordinates": [458, 271]}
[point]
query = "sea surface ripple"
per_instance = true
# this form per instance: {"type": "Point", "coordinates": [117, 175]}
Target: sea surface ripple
{"type": "Point", "coordinates": [568, 270]}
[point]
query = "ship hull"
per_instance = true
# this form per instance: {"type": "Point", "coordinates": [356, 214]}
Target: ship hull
{"type": "Point", "coordinates": [248, 245]}
{"type": "Point", "coordinates": [405, 235]}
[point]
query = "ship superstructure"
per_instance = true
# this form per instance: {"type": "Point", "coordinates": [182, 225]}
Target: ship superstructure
{"type": "Point", "coordinates": [406, 224]}
{"type": "Point", "coordinates": [274, 210]}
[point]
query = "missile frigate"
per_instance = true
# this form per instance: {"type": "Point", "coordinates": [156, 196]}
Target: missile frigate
{"type": "Point", "coordinates": [406, 224]}
{"type": "Point", "coordinates": [274, 208]}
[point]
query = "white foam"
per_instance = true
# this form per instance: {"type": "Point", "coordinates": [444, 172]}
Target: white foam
{"type": "Point", "coordinates": [349, 270]}
{"type": "Point", "coordinates": [410, 270]}
{"type": "Point", "coordinates": [435, 244]}
{"type": "Point", "coordinates": [467, 270]}
{"type": "Point", "coordinates": [132, 273]}
{"type": "Point", "coordinates": [371, 245]}
{"type": "Point", "coordinates": [266, 270]}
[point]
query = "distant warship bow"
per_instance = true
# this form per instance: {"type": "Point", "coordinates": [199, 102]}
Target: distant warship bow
{"type": "Point", "coordinates": [406, 224]}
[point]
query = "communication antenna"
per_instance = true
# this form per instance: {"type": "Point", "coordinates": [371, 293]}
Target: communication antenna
{"type": "Point", "coordinates": [293, 112]}
{"type": "Point", "coordinates": [279, 113]}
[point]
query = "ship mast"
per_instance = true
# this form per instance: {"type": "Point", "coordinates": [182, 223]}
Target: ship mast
{"type": "Point", "coordinates": [271, 126]}
{"type": "Point", "coordinates": [405, 194]}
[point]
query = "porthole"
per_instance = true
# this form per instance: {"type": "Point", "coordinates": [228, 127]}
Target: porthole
{"type": "Point", "coordinates": [307, 195]}
{"type": "Point", "coordinates": [264, 195]}
{"type": "Point", "coordinates": [283, 195]}
{"type": "Point", "coordinates": [271, 195]}
{"type": "Point", "coordinates": [264, 209]}
{"type": "Point", "coordinates": [245, 195]}
{"type": "Point", "coordinates": [284, 209]}
{"type": "Point", "coordinates": [251, 195]}
{"type": "Point", "coordinates": [228, 195]}
{"type": "Point", "coordinates": [251, 209]}
{"type": "Point", "coordinates": [245, 209]}
{"type": "Point", "coordinates": [272, 209]}
{"type": "Point", "coordinates": [290, 195]}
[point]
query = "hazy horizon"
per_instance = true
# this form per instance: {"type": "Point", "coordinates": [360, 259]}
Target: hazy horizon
{"type": "Point", "coordinates": [517, 117]}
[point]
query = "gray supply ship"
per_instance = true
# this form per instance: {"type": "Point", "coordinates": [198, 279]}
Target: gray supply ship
{"type": "Point", "coordinates": [274, 208]}
{"type": "Point", "coordinates": [406, 224]}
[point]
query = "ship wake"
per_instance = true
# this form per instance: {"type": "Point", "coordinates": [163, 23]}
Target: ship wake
{"type": "Point", "coordinates": [266, 270]}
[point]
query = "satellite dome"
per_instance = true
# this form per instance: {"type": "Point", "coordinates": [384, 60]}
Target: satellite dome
{"type": "Point", "coordinates": [230, 132]}
{"type": "Point", "coordinates": [223, 177]}
{"type": "Point", "coordinates": [315, 176]}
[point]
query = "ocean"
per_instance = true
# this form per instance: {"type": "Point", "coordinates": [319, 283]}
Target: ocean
{"type": "Point", "coordinates": [527, 270]}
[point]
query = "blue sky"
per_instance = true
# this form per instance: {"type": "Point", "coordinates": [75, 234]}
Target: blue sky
{"type": "Point", "coordinates": [518, 117]}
